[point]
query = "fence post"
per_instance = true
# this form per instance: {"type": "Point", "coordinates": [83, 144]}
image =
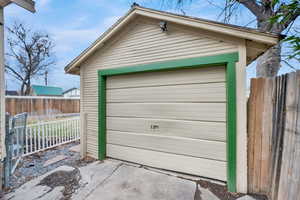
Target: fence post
{"type": "Point", "coordinates": [7, 160]}
{"type": "Point", "coordinates": [83, 123]}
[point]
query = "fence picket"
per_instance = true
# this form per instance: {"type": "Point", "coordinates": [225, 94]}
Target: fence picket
{"type": "Point", "coordinates": [30, 136]}
{"type": "Point", "coordinates": [73, 130]}
{"type": "Point", "coordinates": [35, 138]}
{"type": "Point", "coordinates": [78, 129]}
{"type": "Point", "coordinates": [70, 130]}
{"type": "Point", "coordinates": [23, 141]}
{"type": "Point", "coordinates": [67, 130]}
{"type": "Point", "coordinates": [51, 135]}
{"type": "Point", "coordinates": [59, 134]}
{"type": "Point", "coordinates": [56, 136]}
{"type": "Point", "coordinates": [64, 131]}
{"type": "Point", "coordinates": [43, 136]}
{"type": "Point", "coordinates": [38, 136]}
{"type": "Point", "coordinates": [26, 141]}
{"type": "Point", "coordinates": [15, 150]}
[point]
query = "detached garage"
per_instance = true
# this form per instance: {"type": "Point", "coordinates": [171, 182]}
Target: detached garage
{"type": "Point", "coordinates": [169, 91]}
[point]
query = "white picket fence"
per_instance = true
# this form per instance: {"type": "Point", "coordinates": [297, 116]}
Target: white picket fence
{"type": "Point", "coordinates": [45, 135]}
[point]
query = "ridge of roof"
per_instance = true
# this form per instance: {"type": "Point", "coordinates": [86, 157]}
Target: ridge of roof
{"type": "Point", "coordinates": [70, 89]}
{"type": "Point", "coordinates": [35, 85]}
{"type": "Point", "coordinates": [134, 10]}
{"type": "Point", "coordinates": [211, 21]}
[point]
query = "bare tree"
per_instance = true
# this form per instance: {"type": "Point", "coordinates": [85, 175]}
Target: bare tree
{"type": "Point", "coordinates": [29, 56]}
{"type": "Point", "coordinates": [265, 12]}
{"type": "Point", "coordinates": [271, 16]}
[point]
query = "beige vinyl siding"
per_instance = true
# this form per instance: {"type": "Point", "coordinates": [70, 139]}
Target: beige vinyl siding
{"type": "Point", "coordinates": [143, 42]}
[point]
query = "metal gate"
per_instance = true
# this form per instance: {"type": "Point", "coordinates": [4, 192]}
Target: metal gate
{"type": "Point", "coordinates": [14, 142]}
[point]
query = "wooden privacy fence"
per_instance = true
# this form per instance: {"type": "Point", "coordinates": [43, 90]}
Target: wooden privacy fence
{"type": "Point", "coordinates": [35, 105]}
{"type": "Point", "coordinates": [274, 137]}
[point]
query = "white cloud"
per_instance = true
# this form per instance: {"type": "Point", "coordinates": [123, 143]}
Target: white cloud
{"type": "Point", "coordinates": [109, 21]}
{"type": "Point", "coordinates": [70, 39]}
{"type": "Point", "coordinates": [75, 36]}
{"type": "Point", "coordinates": [42, 5]}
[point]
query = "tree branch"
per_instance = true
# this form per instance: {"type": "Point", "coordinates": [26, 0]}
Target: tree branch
{"type": "Point", "coordinates": [291, 17]}
{"type": "Point", "coordinates": [15, 73]}
{"type": "Point", "coordinates": [252, 5]}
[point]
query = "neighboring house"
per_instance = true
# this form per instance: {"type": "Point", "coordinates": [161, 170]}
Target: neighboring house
{"type": "Point", "coordinates": [11, 93]}
{"type": "Point", "coordinates": [42, 90]}
{"type": "Point", "coordinates": [169, 91]}
{"type": "Point", "coordinates": [72, 92]}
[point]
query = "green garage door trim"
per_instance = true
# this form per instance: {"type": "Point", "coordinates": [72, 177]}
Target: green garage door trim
{"type": "Point", "coordinates": [228, 60]}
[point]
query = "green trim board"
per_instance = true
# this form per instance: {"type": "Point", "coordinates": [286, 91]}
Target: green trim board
{"type": "Point", "coordinates": [231, 125]}
{"type": "Point", "coordinates": [102, 118]}
{"type": "Point", "coordinates": [228, 60]}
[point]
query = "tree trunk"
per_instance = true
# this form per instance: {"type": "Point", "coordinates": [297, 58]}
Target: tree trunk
{"type": "Point", "coordinates": [22, 88]}
{"type": "Point", "coordinates": [27, 91]}
{"type": "Point", "coordinates": [268, 64]}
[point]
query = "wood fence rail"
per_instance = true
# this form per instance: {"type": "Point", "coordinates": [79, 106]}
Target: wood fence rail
{"type": "Point", "coordinates": [274, 137]}
{"type": "Point", "coordinates": [35, 105]}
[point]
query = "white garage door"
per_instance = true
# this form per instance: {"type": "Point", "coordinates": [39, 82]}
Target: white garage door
{"type": "Point", "coordinates": [174, 120]}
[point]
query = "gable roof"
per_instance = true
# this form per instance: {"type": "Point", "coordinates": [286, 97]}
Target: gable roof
{"type": "Point", "coordinates": [71, 89]}
{"type": "Point", "coordinates": [41, 90]}
{"type": "Point", "coordinates": [26, 4]}
{"type": "Point", "coordinates": [265, 38]}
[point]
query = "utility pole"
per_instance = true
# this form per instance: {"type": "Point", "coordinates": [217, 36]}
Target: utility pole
{"type": "Point", "coordinates": [28, 5]}
{"type": "Point", "coordinates": [46, 78]}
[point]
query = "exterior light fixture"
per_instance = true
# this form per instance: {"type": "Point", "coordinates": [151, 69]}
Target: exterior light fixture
{"type": "Point", "coordinates": [163, 26]}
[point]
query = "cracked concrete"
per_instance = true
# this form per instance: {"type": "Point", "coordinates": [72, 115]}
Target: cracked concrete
{"type": "Point", "coordinates": [111, 180]}
{"type": "Point", "coordinates": [33, 190]}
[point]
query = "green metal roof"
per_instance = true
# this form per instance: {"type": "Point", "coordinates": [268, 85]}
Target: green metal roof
{"type": "Point", "coordinates": [42, 90]}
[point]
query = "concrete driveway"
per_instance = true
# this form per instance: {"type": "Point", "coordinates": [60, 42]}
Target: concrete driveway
{"type": "Point", "coordinates": [113, 180]}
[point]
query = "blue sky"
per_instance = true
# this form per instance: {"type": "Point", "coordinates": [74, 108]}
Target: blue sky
{"type": "Point", "coordinates": [74, 24]}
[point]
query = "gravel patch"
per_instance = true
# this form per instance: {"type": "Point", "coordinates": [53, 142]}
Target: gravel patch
{"type": "Point", "coordinates": [33, 165]}
{"type": "Point", "coordinates": [69, 180]}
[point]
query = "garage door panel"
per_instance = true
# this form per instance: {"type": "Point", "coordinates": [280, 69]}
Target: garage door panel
{"type": "Point", "coordinates": [198, 166]}
{"type": "Point", "coordinates": [173, 119]}
{"type": "Point", "coordinates": [213, 92]}
{"type": "Point", "coordinates": [181, 146]}
{"type": "Point", "coordinates": [182, 76]}
{"type": "Point", "coordinates": [180, 128]}
{"type": "Point", "coordinates": [185, 111]}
